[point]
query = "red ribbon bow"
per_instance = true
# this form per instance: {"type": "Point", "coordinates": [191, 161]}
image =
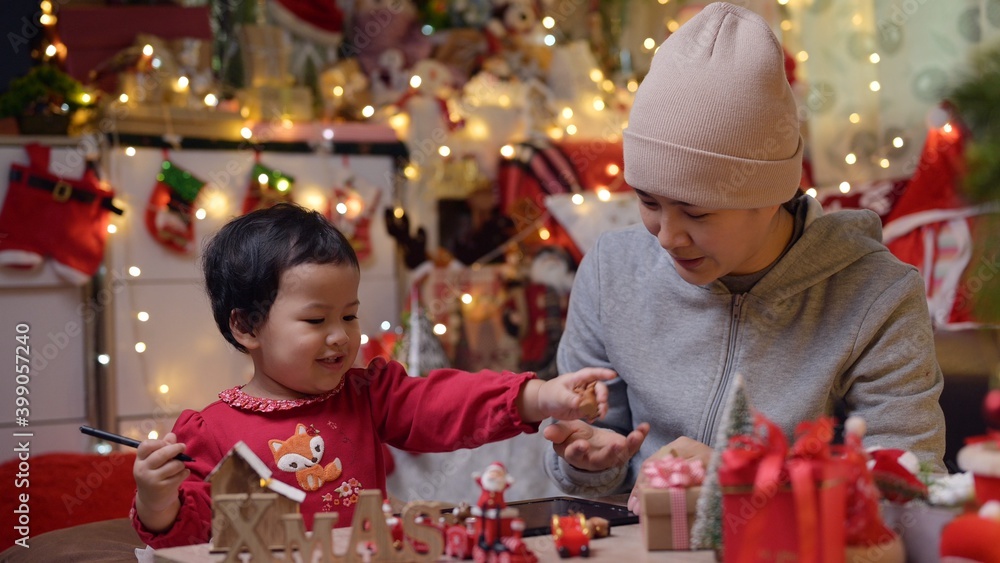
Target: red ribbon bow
{"type": "Point", "coordinates": [765, 458]}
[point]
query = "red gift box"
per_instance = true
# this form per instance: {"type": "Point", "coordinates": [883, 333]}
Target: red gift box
{"type": "Point", "coordinates": [801, 493]}
{"type": "Point", "coordinates": [95, 34]}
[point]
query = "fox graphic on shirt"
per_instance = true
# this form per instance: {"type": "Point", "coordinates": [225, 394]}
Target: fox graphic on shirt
{"type": "Point", "coordinates": [301, 454]}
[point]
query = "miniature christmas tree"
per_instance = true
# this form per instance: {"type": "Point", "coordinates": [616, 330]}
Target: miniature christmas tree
{"type": "Point", "coordinates": [736, 420]}
{"type": "Point", "coordinates": [419, 348]}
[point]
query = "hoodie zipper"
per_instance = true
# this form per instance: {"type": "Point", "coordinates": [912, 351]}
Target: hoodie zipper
{"type": "Point", "coordinates": [708, 434]}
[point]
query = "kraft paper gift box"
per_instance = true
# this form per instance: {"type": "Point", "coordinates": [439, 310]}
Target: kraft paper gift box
{"type": "Point", "coordinates": [660, 517]}
{"type": "Point", "coordinates": [669, 488]}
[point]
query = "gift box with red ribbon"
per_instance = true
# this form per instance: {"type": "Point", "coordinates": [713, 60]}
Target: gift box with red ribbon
{"type": "Point", "coordinates": [803, 491]}
{"type": "Point", "coordinates": [668, 496]}
{"type": "Point", "coordinates": [821, 500]}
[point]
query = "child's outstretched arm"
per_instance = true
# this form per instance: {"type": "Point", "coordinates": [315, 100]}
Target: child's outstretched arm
{"type": "Point", "coordinates": [559, 398]}
{"type": "Point", "coordinates": [158, 477]}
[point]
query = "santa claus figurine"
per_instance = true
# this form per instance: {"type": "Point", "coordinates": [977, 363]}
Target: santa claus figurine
{"type": "Point", "coordinates": [493, 481]}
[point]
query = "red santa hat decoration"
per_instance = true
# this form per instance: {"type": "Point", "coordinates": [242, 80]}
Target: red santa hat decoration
{"type": "Point", "coordinates": [895, 473]}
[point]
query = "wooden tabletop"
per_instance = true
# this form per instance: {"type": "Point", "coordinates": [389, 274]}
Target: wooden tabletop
{"type": "Point", "coordinates": [623, 546]}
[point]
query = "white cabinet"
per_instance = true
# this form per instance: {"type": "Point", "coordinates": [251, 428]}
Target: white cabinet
{"type": "Point", "coordinates": [59, 337]}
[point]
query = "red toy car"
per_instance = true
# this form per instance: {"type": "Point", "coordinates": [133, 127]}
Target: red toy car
{"type": "Point", "coordinates": [571, 535]}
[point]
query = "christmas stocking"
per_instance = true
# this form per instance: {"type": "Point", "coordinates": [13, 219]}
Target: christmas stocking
{"type": "Point", "coordinates": [169, 214]}
{"type": "Point", "coordinates": [267, 187]}
{"type": "Point", "coordinates": [45, 215]}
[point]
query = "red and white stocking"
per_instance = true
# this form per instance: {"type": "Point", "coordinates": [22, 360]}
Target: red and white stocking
{"type": "Point", "coordinates": [170, 213]}
{"type": "Point", "coordinates": [267, 187]}
{"type": "Point", "coordinates": [45, 215]}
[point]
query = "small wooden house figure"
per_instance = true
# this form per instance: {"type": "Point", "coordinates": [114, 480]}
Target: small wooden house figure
{"type": "Point", "coordinates": [242, 473]}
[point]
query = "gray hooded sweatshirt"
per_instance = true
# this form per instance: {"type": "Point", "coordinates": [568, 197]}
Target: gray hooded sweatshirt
{"type": "Point", "coordinates": [838, 317]}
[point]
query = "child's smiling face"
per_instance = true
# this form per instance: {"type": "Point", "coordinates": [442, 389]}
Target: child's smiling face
{"type": "Point", "coordinates": [311, 336]}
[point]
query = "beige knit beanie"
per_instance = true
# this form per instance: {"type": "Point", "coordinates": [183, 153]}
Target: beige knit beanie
{"type": "Point", "coordinates": [714, 123]}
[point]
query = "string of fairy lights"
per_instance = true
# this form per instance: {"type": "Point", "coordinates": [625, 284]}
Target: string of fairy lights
{"type": "Point", "coordinates": [54, 50]}
{"type": "Point", "coordinates": [603, 96]}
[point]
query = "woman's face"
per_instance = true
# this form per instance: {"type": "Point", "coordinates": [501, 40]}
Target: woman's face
{"type": "Point", "coordinates": [706, 244]}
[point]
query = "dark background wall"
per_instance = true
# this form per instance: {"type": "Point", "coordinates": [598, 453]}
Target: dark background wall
{"type": "Point", "coordinates": [20, 31]}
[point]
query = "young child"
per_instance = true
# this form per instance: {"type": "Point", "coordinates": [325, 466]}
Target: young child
{"type": "Point", "coordinates": [283, 283]}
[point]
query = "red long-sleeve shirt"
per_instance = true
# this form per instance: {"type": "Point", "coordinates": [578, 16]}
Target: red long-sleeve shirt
{"type": "Point", "coordinates": [445, 411]}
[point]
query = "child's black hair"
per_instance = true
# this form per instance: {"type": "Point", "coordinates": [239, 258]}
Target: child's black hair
{"type": "Point", "coordinates": [244, 261]}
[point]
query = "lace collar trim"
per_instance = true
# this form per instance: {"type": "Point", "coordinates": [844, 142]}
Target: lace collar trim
{"type": "Point", "coordinates": [235, 397]}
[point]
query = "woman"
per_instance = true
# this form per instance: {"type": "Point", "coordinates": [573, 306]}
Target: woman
{"type": "Point", "coordinates": [733, 271]}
